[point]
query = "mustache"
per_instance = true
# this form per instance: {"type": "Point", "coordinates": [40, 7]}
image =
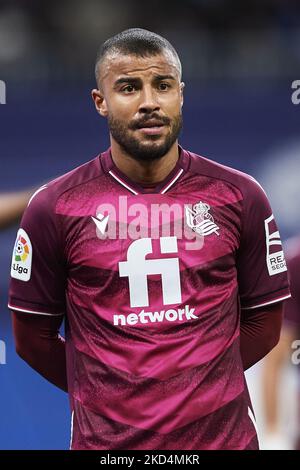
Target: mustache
{"type": "Point", "coordinates": [163, 120]}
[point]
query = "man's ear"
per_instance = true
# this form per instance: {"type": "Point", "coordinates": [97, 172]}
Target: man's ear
{"type": "Point", "coordinates": [100, 103]}
{"type": "Point", "coordinates": [182, 85]}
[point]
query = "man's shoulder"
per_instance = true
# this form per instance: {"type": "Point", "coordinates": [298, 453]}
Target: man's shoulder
{"type": "Point", "coordinates": [244, 182]}
{"type": "Point", "coordinates": [76, 177]}
{"type": "Point", "coordinates": [48, 194]}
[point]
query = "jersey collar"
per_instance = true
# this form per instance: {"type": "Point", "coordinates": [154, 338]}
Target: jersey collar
{"type": "Point", "coordinates": [180, 168]}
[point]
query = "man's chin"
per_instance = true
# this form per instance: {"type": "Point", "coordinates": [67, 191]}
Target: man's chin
{"type": "Point", "coordinates": [148, 150]}
{"type": "Point", "coordinates": [148, 140]}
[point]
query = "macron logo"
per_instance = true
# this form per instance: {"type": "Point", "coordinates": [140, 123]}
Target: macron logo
{"type": "Point", "coordinates": [101, 222]}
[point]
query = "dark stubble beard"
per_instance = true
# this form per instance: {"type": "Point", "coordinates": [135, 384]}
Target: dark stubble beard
{"type": "Point", "coordinates": [139, 150]}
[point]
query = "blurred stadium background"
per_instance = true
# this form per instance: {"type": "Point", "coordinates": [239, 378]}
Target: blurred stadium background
{"type": "Point", "coordinates": [239, 60]}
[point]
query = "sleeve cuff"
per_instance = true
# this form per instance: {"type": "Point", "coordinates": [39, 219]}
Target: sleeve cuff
{"type": "Point", "coordinates": [267, 299]}
{"type": "Point", "coordinates": [20, 306]}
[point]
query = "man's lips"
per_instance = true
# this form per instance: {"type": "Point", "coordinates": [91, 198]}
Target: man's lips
{"type": "Point", "coordinates": [151, 123]}
{"type": "Point", "coordinates": [152, 130]}
{"type": "Point", "coordinates": [151, 127]}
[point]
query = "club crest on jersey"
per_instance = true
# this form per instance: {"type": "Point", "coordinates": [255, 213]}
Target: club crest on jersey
{"type": "Point", "coordinates": [22, 257]}
{"type": "Point", "coordinates": [200, 220]}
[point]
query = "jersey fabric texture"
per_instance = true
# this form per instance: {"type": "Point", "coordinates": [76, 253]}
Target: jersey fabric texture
{"type": "Point", "coordinates": [152, 285]}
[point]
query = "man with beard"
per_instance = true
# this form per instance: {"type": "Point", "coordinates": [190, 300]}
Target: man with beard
{"type": "Point", "coordinates": [160, 328]}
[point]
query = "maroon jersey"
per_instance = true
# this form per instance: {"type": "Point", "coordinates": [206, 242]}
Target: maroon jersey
{"type": "Point", "coordinates": [152, 285]}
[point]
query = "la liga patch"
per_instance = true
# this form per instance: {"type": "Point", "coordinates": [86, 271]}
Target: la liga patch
{"type": "Point", "coordinates": [22, 257]}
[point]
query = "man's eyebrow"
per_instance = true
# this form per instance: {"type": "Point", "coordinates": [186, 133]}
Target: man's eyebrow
{"type": "Point", "coordinates": [164, 77]}
{"type": "Point", "coordinates": [121, 80]}
{"type": "Point", "coordinates": [135, 80]}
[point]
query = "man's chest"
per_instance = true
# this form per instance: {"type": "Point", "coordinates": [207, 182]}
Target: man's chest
{"type": "Point", "coordinates": [154, 233]}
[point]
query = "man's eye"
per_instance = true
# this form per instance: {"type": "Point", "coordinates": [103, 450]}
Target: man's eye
{"type": "Point", "coordinates": [164, 86]}
{"type": "Point", "coordinates": [128, 89]}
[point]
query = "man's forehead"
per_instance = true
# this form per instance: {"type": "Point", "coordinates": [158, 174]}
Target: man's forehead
{"type": "Point", "coordinates": [117, 64]}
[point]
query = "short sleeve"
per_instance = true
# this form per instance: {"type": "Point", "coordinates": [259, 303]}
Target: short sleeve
{"type": "Point", "coordinates": [38, 275]}
{"type": "Point", "coordinates": [261, 266]}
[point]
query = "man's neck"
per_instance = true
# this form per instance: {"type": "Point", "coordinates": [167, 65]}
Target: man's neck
{"type": "Point", "coordinates": [145, 172]}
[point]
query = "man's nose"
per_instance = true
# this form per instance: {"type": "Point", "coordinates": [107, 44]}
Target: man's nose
{"type": "Point", "coordinates": [148, 101]}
